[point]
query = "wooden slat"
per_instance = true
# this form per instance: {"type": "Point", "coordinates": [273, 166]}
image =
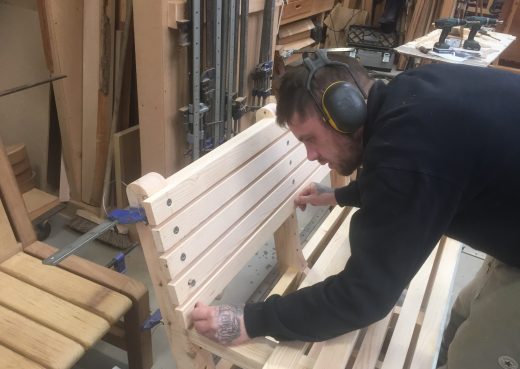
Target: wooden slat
{"type": "Point", "coordinates": [251, 221]}
{"type": "Point", "coordinates": [190, 182]}
{"type": "Point", "coordinates": [13, 202]}
{"type": "Point", "coordinates": [233, 265]}
{"type": "Point", "coordinates": [372, 344]}
{"type": "Point", "coordinates": [63, 27]}
{"type": "Point", "coordinates": [79, 291]}
{"type": "Point", "coordinates": [127, 162]}
{"type": "Point", "coordinates": [92, 46]}
{"type": "Point", "coordinates": [310, 7]}
{"type": "Point", "coordinates": [11, 360]}
{"type": "Point", "coordinates": [37, 342]}
{"type": "Point", "coordinates": [251, 355]}
{"type": "Point", "coordinates": [428, 343]}
{"type": "Point", "coordinates": [161, 68]}
{"type": "Point", "coordinates": [135, 290]}
{"type": "Point", "coordinates": [285, 283]}
{"type": "Point", "coordinates": [287, 355]}
{"type": "Point", "coordinates": [57, 314]}
{"type": "Point", "coordinates": [336, 351]}
{"type": "Point", "coordinates": [408, 316]}
{"type": "Point", "coordinates": [8, 244]}
{"type": "Point", "coordinates": [332, 261]}
{"type": "Point", "coordinates": [319, 240]}
{"type": "Point", "coordinates": [211, 228]}
{"type": "Point", "coordinates": [214, 197]}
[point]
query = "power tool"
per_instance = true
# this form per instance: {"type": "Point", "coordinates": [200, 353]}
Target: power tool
{"type": "Point", "coordinates": [475, 23]}
{"type": "Point", "coordinates": [446, 24]}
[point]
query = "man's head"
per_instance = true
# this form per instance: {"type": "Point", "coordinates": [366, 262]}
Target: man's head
{"type": "Point", "coordinates": [297, 108]}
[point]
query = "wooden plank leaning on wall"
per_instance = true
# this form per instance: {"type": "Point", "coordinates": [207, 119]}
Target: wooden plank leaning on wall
{"type": "Point", "coordinates": [62, 31]}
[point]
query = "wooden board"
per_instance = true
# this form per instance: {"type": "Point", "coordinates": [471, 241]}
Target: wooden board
{"type": "Point", "coordinates": [11, 360]}
{"type": "Point", "coordinates": [70, 287]}
{"type": "Point", "coordinates": [8, 244]}
{"type": "Point", "coordinates": [61, 316]}
{"type": "Point", "coordinates": [105, 101]}
{"type": "Point", "coordinates": [127, 162]}
{"type": "Point", "coordinates": [13, 202]}
{"type": "Point", "coordinates": [26, 337]}
{"type": "Point", "coordinates": [300, 9]}
{"type": "Point", "coordinates": [92, 39]}
{"type": "Point", "coordinates": [62, 30]}
{"type": "Point", "coordinates": [160, 63]}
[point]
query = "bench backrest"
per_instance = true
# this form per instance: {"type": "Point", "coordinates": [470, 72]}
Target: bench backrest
{"type": "Point", "coordinates": [209, 219]}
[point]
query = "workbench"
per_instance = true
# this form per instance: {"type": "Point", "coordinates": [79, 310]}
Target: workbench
{"type": "Point", "coordinates": [490, 48]}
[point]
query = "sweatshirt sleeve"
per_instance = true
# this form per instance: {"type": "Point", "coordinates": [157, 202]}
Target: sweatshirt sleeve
{"type": "Point", "coordinates": [402, 216]}
{"type": "Point", "coordinates": [348, 195]}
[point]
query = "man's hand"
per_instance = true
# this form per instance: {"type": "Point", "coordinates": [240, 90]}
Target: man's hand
{"type": "Point", "coordinates": [223, 323]}
{"type": "Point", "coordinates": [315, 194]}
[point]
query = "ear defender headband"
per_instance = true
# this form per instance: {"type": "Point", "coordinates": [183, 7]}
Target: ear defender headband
{"type": "Point", "coordinates": [342, 105]}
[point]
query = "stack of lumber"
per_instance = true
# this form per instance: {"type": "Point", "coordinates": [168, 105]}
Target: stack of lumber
{"type": "Point", "coordinates": [85, 40]}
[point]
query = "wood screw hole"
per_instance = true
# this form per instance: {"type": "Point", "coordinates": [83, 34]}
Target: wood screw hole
{"type": "Point", "coordinates": [175, 230]}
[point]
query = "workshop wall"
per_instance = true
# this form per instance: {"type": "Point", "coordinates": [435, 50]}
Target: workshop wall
{"type": "Point", "coordinates": [24, 115]}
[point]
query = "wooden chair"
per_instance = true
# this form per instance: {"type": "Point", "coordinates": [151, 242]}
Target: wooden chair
{"type": "Point", "coordinates": [206, 221]}
{"type": "Point", "coordinates": [49, 316]}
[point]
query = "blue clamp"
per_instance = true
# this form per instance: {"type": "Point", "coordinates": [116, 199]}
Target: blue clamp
{"type": "Point", "coordinates": [152, 320]}
{"type": "Point", "coordinates": [128, 216]}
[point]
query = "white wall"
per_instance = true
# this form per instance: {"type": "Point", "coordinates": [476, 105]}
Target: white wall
{"type": "Point", "coordinates": [24, 116]}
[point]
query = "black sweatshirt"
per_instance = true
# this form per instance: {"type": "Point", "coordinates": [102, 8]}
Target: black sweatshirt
{"type": "Point", "coordinates": [442, 156]}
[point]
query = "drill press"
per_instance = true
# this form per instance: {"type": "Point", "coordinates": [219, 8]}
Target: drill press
{"type": "Point", "coordinates": [475, 23]}
{"type": "Point", "coordinates": [446, 24]}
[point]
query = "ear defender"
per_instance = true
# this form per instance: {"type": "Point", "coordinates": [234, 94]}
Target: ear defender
{"type": "Point", "coordinates": [342, 105]}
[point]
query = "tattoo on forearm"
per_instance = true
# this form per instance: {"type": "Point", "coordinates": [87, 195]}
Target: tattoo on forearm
{"type": "Point", "coordinates": [228, 323]}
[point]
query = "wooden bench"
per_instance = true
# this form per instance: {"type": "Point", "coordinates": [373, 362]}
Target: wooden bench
{"type": "Point", "coordinates": [206, 221]}
{"type": "Point", "coordinates": [49, 316]}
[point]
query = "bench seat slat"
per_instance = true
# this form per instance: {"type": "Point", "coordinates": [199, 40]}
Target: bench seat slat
{"type": "Point", "coordinates": [251, 355]}
{"type": "Point", "coordinates": [37, 342]}
{"type": "Point", "coordinates": [331, 262]}
{"type": "Point", "coordinates": [225, 220]}
{"type": "Point", "coordinates": [429, 340]}
{"type": "Point", "coordinates": [216, 196]}
{"type": "Point", "coordinates": [232, 265]}
{"type": "Point", "coordinates": [91, 296]}
{"type": "Point", "coordinates": [240, 231]}
{"type": "Point", "coordinates": [72, 321]}
{"type": "Point", "coordinates": [191, 181]}
{"type": "Point", "coordinates": [408, 316]}
{"type": "Point", "coordinates": [372, 344]}
{"type": "Point", "coordinates": [11, 360]}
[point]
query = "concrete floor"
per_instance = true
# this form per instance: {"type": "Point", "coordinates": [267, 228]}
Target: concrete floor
{"type": "Point", "coordinates": [106, 356]}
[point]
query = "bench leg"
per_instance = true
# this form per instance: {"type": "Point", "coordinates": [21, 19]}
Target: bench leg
{"type": "Point", "coordinates": [138, 342]}
{"type": "Point", "coordinates": [188, 356]}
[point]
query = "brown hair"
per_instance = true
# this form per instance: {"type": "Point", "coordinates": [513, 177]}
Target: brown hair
{"type": "Point", "coordinates": [292, 95]}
